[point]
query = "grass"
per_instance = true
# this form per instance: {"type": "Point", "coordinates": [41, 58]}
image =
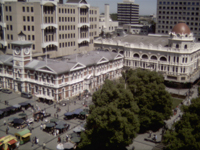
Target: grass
{"type": "Point", "coordinates": [176, 102]}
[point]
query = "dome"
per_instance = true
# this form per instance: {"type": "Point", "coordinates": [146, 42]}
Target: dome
{"type": "Point", "coordinates": [181, 28]}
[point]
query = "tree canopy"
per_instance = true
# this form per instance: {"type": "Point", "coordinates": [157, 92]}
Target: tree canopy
{"type": "Point", "coordinates": [113, 122]}
{"type": "Point", "coordinates": [154, 101]}
{"type": "Point", "coordinates": [186, 134]}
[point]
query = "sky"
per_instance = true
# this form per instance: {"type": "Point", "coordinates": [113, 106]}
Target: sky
{"type": "Point", "coordinates": [147, 7]}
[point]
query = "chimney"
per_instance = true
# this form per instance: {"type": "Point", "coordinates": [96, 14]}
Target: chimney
{"type": "Point", "coordinates": [107, 16]}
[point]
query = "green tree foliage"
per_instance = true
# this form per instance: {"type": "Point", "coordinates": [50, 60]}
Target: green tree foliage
{"type": "Point", "coordinates": [113, 121]}
{"type": "Point", "coordinates": [113, 17]}
{"type": "Point", "coordinates": [154, 101]}
{"type": "Point", "coordinates": [186, 134]}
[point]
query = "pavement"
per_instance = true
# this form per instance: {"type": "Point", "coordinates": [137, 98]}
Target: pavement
{"type": "Point", "coordinates": [50, 140]}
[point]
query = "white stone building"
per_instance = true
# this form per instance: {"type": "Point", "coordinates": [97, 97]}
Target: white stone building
{"type": "Point", "coordinates": [57, 79]}
{"type": "Point", "coordinates": [175, 56]}
{"type": "Point", "coordinates": [105, 22]}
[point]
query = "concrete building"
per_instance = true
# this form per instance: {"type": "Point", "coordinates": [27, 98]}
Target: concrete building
{"type": "Point", "coordinates": [56, 79]}
{"type": "Point", "coordinates": [55, 28]}
{"type": "Point", "coordinates": [105, 22]}
{"type": "Point", "coordinates": [170, 11]}
{"type": "Point", "coordinates": [176, 56]}
{"type": "Point", "coordinates": [127, 12]}
{"type": "Point", "coordinates": [136, 29]}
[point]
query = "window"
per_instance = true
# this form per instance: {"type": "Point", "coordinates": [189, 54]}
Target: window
{"type": "Point", "coordinates": [32, 19]}
{"type": "Point", "coordinates": [33, 37]}
{"type": "Point", "coordinates": [7, 27]}
{"type": "Point", "coordinates": [10, 18]}
{"type": "Point", "coordinates": [31, 9]}
{"type": "Point", "coordinates": [28, 18]}
{"type": "Point", "coordinates": [23, 9]}
{"type": "Point", "coordinates": [52, 92]}
{"type": "Point", "coordinates": [24, 28]}
{"type": "Point", "coordinates": [32, 28]}
{"type": "Point", "coordinates": [27, 9]}
{"type": "Point", "coordinates": [10, 27]}
{"type": "Point", "coordinates": [6, 8]}
{"type": "Point", "coordinates": [11, 37]}
{"type": "Point", "coordinates": [6, 18]}
{"type": "Point", "coordinates": [28, 28]}
{"type": "Point", "coordinates": [33, 46]}
{"type": "Point", "coordinates": [29, 37]}
{"type": "Point", "coordinates": [10, 8]}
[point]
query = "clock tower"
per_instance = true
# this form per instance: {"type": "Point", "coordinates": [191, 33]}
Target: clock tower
{"type": "Point", "coordinates": [22, 55]}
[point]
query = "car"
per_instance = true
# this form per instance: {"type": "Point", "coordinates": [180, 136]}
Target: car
{"type": "Point", "coordinates": [0, 88]}
{"type": "Point", "coordinates": [26, 95]}
{"type": "Point", "coordinates": [63, 103]}
{"type": "Point", "coordinates": [6, 91]}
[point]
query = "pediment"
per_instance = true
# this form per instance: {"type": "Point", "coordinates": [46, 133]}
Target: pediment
{"type": "Point", "coordinates": [119, 56]}
{"type": "Point", "coordinates": [77, 67]}
{"type": "Point", "coordinates": [46, 69]}
{"type": "Point", "coordinates": [83, 2]}
{"type": "Point", "coordinates": [102, 60]}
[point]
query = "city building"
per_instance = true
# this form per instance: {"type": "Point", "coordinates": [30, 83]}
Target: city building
{"type": "Point", "coordinates": [176, 56]}
{"type": "Point", "coordinates": [170, 11]}
{"type": "Point", "coordinates": [127, 12]}
{"type": "Point", "coordinates": [55, 28]}
{"type": "Point", "coordinates": [105, 22]}
{"type": "Point", "coordinates": [60, 78]}
{"type": "Point", "coordinates": [136, 29]}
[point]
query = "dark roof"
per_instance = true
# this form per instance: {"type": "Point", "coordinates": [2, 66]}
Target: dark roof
{"type": "Point", "coordinates": [21, 33]}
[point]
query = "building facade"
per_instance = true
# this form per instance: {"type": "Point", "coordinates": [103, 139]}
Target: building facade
{"type": "Point", "coordinates": [54, 27]}
{"type": "Point", "coordinates": [105, 22]}
{"type": "Point", "coordinates": [57, 79]}
{"type": "Point", "coordinates": [170, 11]}
{"type": "Point", "coordinates": [127, 12]}
{"type": "Point", "coordinates": [176, 56]}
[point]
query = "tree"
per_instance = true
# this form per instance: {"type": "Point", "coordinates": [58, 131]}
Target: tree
{"type": "Point", "coordinates": [113, 121]}
{"type": "Point", "coordinates": [186, 134]}
{"type": "Point", "coordinates": [154, 101]}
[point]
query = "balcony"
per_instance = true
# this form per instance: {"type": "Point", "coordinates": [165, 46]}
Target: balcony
{"type": "Point", "coordinates": [45, 44]}
{"type": "Point", "coordinates": [45, 25]}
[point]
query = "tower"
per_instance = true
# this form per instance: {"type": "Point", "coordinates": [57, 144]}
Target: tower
{"type": "Point", "coordinates": [22, 54]}
{"type": "Point", "coordinates": [107, 17]}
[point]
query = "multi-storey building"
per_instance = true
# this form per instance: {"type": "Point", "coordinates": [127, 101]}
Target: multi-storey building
{"type": "Point", "coordinates": [56, 79]}
{"type": "Point", "coordinates": [55, 28]}
{"type": "Point", "coordinates": [170, 11]}
{"type": "Point", "coordinates": [176, 56]}
{"type": "Point", "coordinates": [128, 12]}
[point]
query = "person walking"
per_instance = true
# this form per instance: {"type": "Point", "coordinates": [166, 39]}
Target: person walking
{"type": "Point", "coordinates": [67, 138]}
{"type": "Point", "coordinates": [4, 122]}
{"type": "Point", "coordinates": [41, 126]}
{"type": "Point", "coordinates": [44, 145]}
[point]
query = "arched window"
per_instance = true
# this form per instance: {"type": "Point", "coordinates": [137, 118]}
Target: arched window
{"type": "Point", "coordinates": [177, 46]}
{"type": "Point", "coordinates": [114, 51]}
{"type": "Point", "coordinates": [136, 56]}
{"type": "Point", "coordinates": [153, 57]}
{"type": "Point", "coordinates": [163, 59]}
{"type": "Point", "coordinates": [144, 57]}
{"type": "Point", "coordinates": [121, 52]}
{"type": "Point", "coordinates": [185, 46]}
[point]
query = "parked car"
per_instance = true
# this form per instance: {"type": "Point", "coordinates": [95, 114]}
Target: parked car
{"type": "Point", "coordinates": [0, 88]}
{"type": "Point", "coordinates": [6, 91]}
{"type": "Point", "coordinates": [26, 95]}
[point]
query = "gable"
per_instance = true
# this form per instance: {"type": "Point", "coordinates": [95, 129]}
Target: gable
{"type": "Point", "coordinates": [119, 56]}
{"type": "Point", "coordinates": [77, 66]}
{"type": "Point", "coordinates": [46, 69]}
{"type": "Point", "coordinates": [102, 60]}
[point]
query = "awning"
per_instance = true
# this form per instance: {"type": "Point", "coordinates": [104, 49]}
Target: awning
{"type": "Point", "coordinates": [26, 135]}
{"type": "Point", "coordinates": [12, 142]}
{"type": "Point", "coordinates": [16, 106]}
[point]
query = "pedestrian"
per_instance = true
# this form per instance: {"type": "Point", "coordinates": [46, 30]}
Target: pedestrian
{"type": "Point", "coordinates": [37, 140]}
{"type": "Point", "coordinates": [41, 126]}
{"type": "Point", "coordinates": [67, 138]}
{"type": "Point", "coordinates": [59, 139]}
{"type": "Point", "coordinates": [150, 134]}
{"type": "Point", "coordinates": [44, 145]}
{"type": "Point", "coordinates": [57, 116]}
{"type": "Point", "coordinates": [4, 122]}
{"type": "Point", "coordinates": [57, 132]}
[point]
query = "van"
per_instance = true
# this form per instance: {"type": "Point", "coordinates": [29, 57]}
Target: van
{"type": "Point", "coordinates": [26, 95]}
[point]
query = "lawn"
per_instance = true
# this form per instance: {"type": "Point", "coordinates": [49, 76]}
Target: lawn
{"type": "Point", "coordinates": [176, 102]}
